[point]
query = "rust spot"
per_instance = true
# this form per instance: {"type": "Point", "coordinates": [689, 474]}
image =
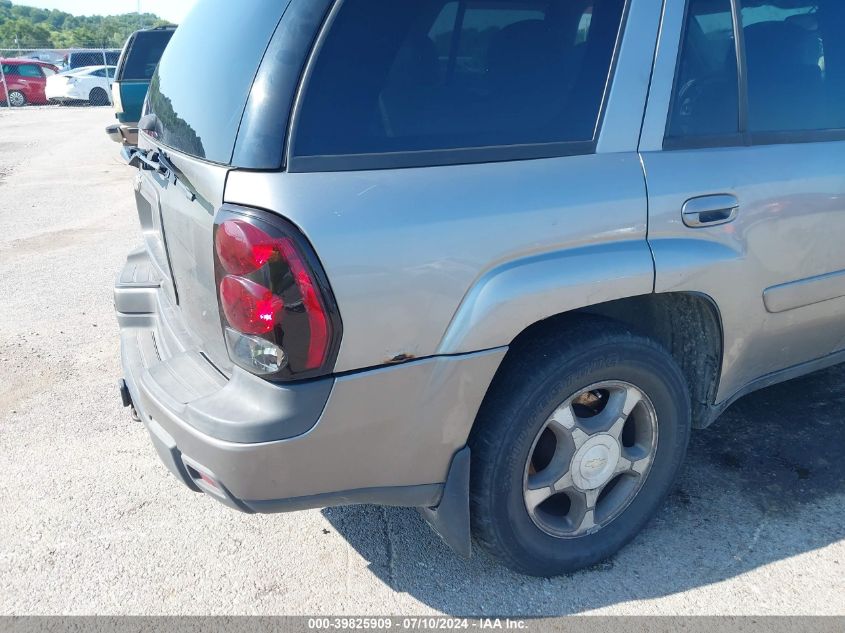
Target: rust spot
{"type": "Point", "coordinates": [401, 358]}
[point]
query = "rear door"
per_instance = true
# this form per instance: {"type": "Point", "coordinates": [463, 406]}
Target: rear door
{"type": "Point", "coordinates": [744, 149]}
{"type": "Point", "coordinates": [32, 82]}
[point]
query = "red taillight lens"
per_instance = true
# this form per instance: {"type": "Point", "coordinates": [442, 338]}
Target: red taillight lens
{"type": "Point", "coordinates": [250, 307]}
{"type": "Point", "coordinates": [318, 344]}
{"type": "Point", "coordinates": [243, 248]}
{"type": "Point", "coordinates": [279, 315]}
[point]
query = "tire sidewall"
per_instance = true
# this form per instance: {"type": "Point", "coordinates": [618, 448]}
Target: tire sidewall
{"type": "Point", "coordinates": [640, 365]}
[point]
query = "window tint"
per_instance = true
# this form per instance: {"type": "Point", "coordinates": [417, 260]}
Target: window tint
{"type": "Point", "coordinates": [442, 74]}
{"type": "Point", "coordinates": [198, 106]}
{"type": "Point", "coordinates": [80, 59]}
{"type": "Point", "coordinates": [102, 72]}
{"type": "Point", "coordinates": [144, 54]}
{"type": "Point", "coordinates": [795, 65]}
{"type": "Point", "coordinates": [705, 100]}
{"type": "Point", "coordinates": [794, 62]}
{"type": "Point", "coordinates": [29, 70]}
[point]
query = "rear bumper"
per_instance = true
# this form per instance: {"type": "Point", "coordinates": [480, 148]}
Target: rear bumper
{"type": "Point", "coordinates": [383, 436]}
{"type": "Point", "coordinates": [126, 134]}
{"type": "Point", "coordinates": [65, 93]}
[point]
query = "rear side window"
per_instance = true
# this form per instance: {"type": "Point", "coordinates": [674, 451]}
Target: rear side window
{"type": "Point", "coordinates": [793, 58]}
{"type": "Point", "coordinates": [29, 70]}
{"type": "Point", "coordinates": [439, 75]}
{"type": "Point", "coordinates": [202, 82]}
{"type": "Point", "coordinates": [795, 64]}
{"type": "Point", "coordinates": [81, 59]}
{"type": "Point", "coordinates": [706, 96]}
{"type": "Point", "coordinates": [144, 54]}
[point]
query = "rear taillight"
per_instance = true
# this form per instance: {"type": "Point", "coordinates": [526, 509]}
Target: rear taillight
{"type": "Point", "coordinates": [278, 313]}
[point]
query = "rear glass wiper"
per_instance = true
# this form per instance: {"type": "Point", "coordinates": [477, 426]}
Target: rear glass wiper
{"type": "Point", "coordinates": [157, 161]}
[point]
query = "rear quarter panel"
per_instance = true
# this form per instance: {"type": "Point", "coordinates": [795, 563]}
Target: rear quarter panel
{"type": "Point", "coordinates": [447, 260]}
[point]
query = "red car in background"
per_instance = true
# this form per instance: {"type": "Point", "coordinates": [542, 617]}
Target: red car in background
{"type": "Point", "coordinates": [25, 80]}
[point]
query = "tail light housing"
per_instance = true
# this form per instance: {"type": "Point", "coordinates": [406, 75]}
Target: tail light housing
{"type": "Point", "coordinates": [277, 310]}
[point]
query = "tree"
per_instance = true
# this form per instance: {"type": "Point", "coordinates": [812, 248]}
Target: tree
{"type": "Point", "coordinates": [22, 33]}
{"type": "Point", "coordinates": [42, 28]}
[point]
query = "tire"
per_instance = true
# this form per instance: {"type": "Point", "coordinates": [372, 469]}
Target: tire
{"type": "Point", "coordinates": [98, 97]}
{"type": "Point", "coordinates": [16, 99]}
{"type": "Point", "coordinates": [533, 388]}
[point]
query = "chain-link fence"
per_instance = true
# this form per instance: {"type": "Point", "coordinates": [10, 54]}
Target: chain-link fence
{"type": "Point", "coordinates": [56, 76]}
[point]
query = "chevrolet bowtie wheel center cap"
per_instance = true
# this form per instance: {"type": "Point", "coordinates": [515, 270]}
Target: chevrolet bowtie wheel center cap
{"type": "Point", "coordinates": [595, 462]}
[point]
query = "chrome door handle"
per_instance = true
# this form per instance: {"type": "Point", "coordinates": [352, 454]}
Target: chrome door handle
{"type": "Point", "coordinates": [710, 210]}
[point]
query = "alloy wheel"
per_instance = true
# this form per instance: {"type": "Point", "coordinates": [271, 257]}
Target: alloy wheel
{"type": "Point", "coordinates": [590, 459]}
{"type": "Point", "coordinates": [16, 99]}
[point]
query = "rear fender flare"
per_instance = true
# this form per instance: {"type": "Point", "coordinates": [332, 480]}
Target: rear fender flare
{"type": "Point", "coordinates": [510, 297]}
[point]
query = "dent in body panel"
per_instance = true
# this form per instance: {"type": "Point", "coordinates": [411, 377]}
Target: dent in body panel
{"type": "Point", "coordinates": [403, 249]}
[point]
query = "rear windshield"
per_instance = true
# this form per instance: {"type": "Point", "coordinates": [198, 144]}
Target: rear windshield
{"type": "Point", "coordinates": [144, 54]}
{"type": "Point", "coordinates": [200, 88]}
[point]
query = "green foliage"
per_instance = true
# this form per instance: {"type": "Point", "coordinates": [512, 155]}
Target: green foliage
{"type": "Point", "coordinates": [23, 27]}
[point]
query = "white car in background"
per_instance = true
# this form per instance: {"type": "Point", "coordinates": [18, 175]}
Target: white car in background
{"type": "Point", "coordinates": [91, 84]}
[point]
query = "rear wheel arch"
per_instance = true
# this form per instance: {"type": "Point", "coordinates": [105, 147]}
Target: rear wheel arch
{"type": "Point", "coordinates": [687, 325]}
{"type": "Point", "coordinates": [518, 294]}
{"type": "Point", "coordinates": [98, 96]}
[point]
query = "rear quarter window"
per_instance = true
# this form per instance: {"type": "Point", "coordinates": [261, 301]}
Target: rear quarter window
{"type": "Point", "coordinates": [200, 88]}
{"type": "Point", "coordinates": [441, 75]}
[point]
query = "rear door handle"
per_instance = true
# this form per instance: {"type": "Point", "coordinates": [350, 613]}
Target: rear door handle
{"type": "Point", "coordinates": [710, 210]}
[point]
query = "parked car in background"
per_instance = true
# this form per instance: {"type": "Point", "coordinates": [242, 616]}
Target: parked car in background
{"type": "Point", "coordinates": [491, 259]}
{"type": "Point", "coordinates": [90, 84]}
{"type": "Point", "coordinates": [90, 57]}
{"type": "Point", "coordinates": [25, 81]}
{"type": "Point", "coordinates": [51, 56]}
{"type": "Point", "coordinates": [135, 68]}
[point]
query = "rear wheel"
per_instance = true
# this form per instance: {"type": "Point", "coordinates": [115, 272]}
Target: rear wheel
{"type": "Point", "coordinates": [98, 97]}
{"type": "Point", "coordinates": [17, 99]}
{"type": "Point", "coordinates": [576, 445]}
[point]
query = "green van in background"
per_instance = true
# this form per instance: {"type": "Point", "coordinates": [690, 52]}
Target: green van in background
{"type": "Point", "coordinates": [135, 68]}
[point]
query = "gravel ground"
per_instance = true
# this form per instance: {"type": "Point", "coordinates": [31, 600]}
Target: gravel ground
{"type": "Point", "coordinates": [95, 524]}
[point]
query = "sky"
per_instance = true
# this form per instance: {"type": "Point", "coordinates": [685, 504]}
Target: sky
{"type": "Point", "coordinates": [172, 10]}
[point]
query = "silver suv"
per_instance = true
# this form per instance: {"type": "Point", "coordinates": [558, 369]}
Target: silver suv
{"type": "Point", "coordinates": [488, 259]}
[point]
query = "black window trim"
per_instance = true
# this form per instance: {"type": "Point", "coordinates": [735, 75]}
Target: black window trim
{"type": "Point", "coordinates": [294, 39]}
{"type": "Point", "coordinates": [744, 137]}
{"type": "Point", "coordinates": [438, 157]}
